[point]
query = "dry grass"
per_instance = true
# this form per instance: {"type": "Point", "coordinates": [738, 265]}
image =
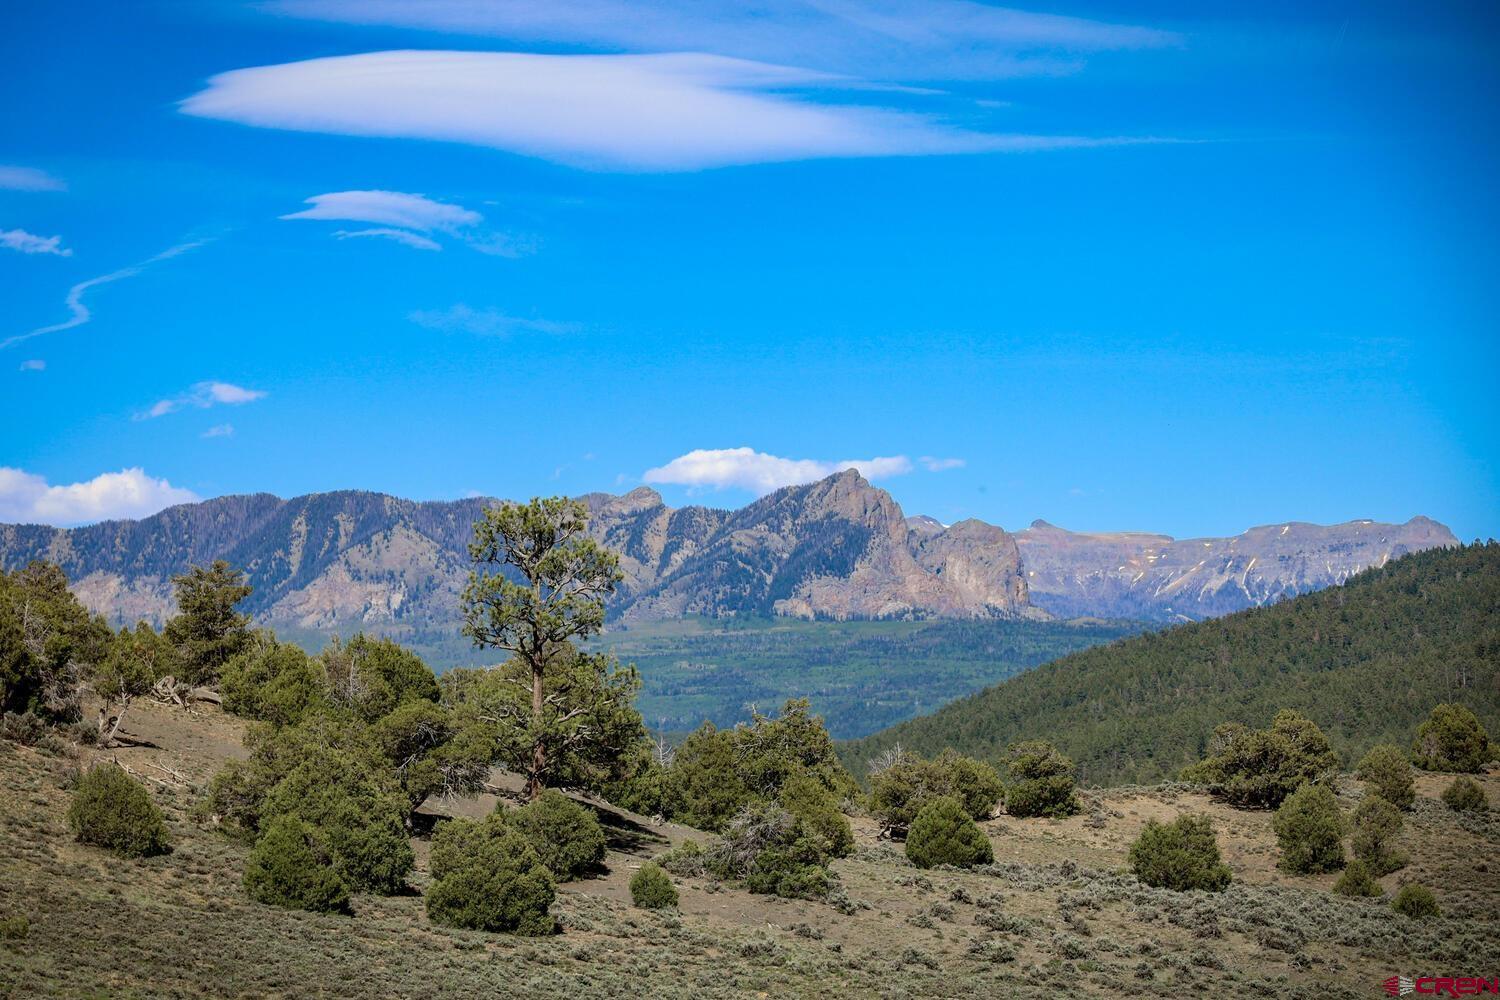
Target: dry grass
{"type": "Point", "coordinates": [1055, 910]}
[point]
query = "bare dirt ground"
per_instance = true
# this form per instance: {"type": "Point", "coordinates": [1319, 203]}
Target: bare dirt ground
{"type": "Point", "coordinates": [1057, 912]}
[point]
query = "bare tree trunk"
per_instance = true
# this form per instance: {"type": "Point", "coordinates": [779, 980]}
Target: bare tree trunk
{"type": "Point", "coordinates": [109, 726]}
{"type": "Point", "coordinates": [539, 748]}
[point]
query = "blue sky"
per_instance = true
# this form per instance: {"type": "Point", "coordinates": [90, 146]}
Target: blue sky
{"type": "Point", "coordinates": [1183, 267]}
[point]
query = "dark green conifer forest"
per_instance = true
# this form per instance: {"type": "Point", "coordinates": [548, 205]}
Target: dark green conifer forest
{"type": "Point", "coordinates": [1366, 661]}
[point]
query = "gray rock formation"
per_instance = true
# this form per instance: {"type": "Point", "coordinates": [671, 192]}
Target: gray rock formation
{"type": "Point", "coordinates": [1159, 578]}
{"type": "Point", "coordinates": [838, 548]}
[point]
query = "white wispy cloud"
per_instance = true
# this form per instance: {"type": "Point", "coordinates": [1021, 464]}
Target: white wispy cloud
{"type": "Point", "coordinates": [932, 464]}
{"type": "Point", "coordinates": [405, 218]}
{"type": "Point", "coordinates": [748, 469]}
{"type": "Point", "coordinates": [654, 112]}
{"type": "Point", "coordinates": [34, 365]}
{"type": "Point", "coordinates": [882, 39]}
{"type": "Point", "coordinates": [27, 498]}
{"type": "Point", "coordinates": [219, 431]}
{"type": "Point", "coordinates": [389, 208]}
{"type": "Point", "coordinates": [413, 240]}
{"type": "Point", "coordinates": [78, 313]}
{"type": "Point", "coordinates": [202, 395]}
{"type": "Point", "coordinates": [14, 178]}
{"type": "Point", "coordinates": [21, 240]}
{"type": "Point", "coordinates": [488, 322]}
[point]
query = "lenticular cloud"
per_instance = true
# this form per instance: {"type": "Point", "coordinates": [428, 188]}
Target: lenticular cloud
{"type": "Point", "coordinates": [674, 111]}
{"type": "Point", "coordinates": [887, 39]}
{"type": "Point", "coordinates": [389, 208]}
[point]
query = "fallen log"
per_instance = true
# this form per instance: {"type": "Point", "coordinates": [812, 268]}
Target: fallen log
{"type": "Point", "coordinates": [205, 694]}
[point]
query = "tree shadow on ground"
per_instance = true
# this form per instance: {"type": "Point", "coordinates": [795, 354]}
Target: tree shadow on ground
{"type": "Point", "coordinates": [624, 834]}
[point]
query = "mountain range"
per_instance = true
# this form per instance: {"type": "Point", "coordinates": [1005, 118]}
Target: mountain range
{"type": "Point", "coordinates": [1131, 574]}
{"type": "Point", "coordinates": [836, 549]}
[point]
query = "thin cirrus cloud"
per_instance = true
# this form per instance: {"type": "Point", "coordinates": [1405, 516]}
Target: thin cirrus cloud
{"type": "Point", "coordinates": [925, 40]}
{"type": "Point", "coordinates": [13, 178]}
{"type": "Point", "coordinates": [27, 498]}
{"type": "Point", "coordinates": [653, 112]}
{"type": "Point", "coordinates": [78, 312]}
{"type": "Point", "coordinates": [488, 322]}
{"type": "Point", "coordinates": [23, 242]}
{"type": "Point", "coordinates": [203, 395]}
{"type": "Point", "coordinates": [933, 464]}
{"type": "Point", "coordinates": [401, 236]}
{"type": "Point", "coordinates": [760, 473]}
{"type": "Point", "coordinates": [34, 365]}
{"type": "Point", "coordinates": [409, 219]}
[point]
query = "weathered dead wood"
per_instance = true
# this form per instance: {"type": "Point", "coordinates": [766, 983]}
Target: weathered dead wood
{"type": "Point", "coordinates": [176, 775]}
{"type": "Point", "coordinates": [147, 777]}
{"type": "Point", "coordinates": [169, 691]}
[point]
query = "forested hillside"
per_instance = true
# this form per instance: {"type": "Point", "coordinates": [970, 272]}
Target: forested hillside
{"type": "Point", "coordinates": [1366, 660]}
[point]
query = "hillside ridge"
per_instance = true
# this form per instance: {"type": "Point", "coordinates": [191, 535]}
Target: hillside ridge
{"type": "Point", "coordinates": [1365, 659]}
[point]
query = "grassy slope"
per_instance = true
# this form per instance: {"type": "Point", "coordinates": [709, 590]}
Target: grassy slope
{"type": "Point", "coordinates": [1366, 660]}
{"type": "Point", "coordinates": [180, 926]}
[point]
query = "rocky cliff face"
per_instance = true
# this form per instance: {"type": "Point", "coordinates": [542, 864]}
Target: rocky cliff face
{"type": "Point", "coordinates": [835, 549]}
{"type": "Point", "coordinates": [838, 548]}
{"type": "Point", "coordinates": [322, 561]}
{"type": "Point", "coordinates": [1159, 578]}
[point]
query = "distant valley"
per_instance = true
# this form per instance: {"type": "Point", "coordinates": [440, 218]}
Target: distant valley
{"type": "Point", "coordinates": [838, 549]}
{"type": "Point", "coordinates": [860, 675]}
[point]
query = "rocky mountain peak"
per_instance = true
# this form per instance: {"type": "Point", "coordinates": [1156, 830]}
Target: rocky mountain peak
{"type": "Point", "coordinates": [924, 525]}
{"type": "Point", "coordinates": [639, 499]}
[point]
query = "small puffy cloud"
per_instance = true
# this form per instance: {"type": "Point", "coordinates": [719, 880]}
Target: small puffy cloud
{"type": "Point", "coordinates": [409, 219]}
{"type": "Point", "coordinates": [22, 241]}
{"type": "Point", "coordinates": [748, 469]}
{"type": "Point", "coordinates": [34, 365]}
{"type": "Point", "coordinates": [932, 464]}
{"type": "Point", "coordinates": [658, 111]}
{"type": "Point", "coordinates": [26, 498]}
{"type": "Point", "coordinates": [203, 395]}
{"type": "Point", "coordinates": [224, 392]}
{"type": "Point", "coordinates": [28, 179]}
{"type": "Point", "coordinates": [484, 322]}
{"type": "Point", "coordinates": [219, 431]}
